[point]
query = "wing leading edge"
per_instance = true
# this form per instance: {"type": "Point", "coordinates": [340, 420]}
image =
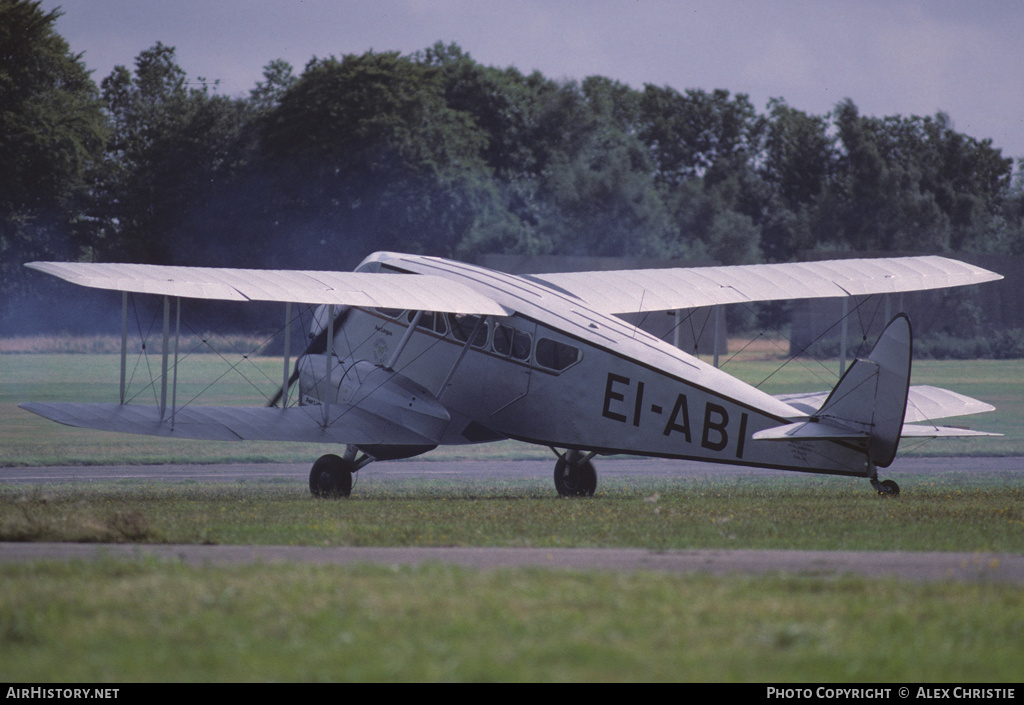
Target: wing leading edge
{"type": "Point", "coordinates": [235, 423]}
{"type": "Point", "coordinates": [643, 290]}
{"type": "Point", "coordinates": [365, 289]}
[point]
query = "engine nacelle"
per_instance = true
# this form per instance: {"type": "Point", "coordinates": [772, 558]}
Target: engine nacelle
{"type": "Point", "coordinates": [393, 398]}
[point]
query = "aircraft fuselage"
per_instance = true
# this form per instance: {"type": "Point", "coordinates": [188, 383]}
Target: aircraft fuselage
{"type": "Point", "coordinates": [556, 373]}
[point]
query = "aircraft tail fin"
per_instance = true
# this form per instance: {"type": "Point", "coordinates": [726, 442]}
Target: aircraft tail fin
{"type": "Point", "coordinates": [869, 402]}
{"type": "Point", "coordinates": [872, 395]}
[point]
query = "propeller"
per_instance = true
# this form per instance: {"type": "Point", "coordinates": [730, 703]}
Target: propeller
{"type": "Point", "coordinates": [317, 346]}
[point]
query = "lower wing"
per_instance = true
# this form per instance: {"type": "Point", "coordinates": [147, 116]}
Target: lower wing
{"type": "Point", "coordinates": [349, 424]}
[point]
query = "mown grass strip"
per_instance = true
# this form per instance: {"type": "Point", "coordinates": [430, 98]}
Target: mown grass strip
{"type": "Point", "coordinates": [142, 621]}
{"type": "Point", "coordinates": [787, 513]}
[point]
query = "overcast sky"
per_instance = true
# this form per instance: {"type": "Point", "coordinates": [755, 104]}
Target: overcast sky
{"type": "Point", "coordinates": [891, 57]}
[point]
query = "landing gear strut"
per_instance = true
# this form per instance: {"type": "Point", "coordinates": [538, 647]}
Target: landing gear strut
{"type": "Point", "coordinates": [885, 488]}
{"type": "Point", "coordinates": [575, 475]}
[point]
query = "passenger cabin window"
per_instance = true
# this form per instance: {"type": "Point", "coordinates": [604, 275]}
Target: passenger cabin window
{"type": "Point", "coordinates": [462, 328]}
{"type": "Point", "coordinates": [555, 355]}
{"type": "Point", "coordinates": [511, 342]}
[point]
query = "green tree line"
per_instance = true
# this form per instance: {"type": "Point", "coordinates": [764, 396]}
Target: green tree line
{"type": "Point", "coordinates": [435, 153]}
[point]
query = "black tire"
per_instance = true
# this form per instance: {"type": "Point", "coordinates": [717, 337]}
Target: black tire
{"type": "Point", "coordinates": [574, 478]}
{"type": "Point", "coordinates": [331, 477]}
{"type": "Point", "coordinates": [890, 488]}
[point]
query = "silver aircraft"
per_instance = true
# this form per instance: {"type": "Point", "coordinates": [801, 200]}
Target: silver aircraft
{"type": "Point", "coordinates": [411, 352]}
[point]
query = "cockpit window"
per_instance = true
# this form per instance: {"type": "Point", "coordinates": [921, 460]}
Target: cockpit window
{"type": "Point", "coordinates": [430, 321]}
{"type": "Point", "coordinates": [462, 328]}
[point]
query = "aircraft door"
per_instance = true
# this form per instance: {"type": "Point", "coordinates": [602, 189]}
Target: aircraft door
{"type": "Point", "coordinates": [512, 341]}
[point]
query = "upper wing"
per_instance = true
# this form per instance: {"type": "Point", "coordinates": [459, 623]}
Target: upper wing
{"type": "Point", "coordinates": [366, 289]}
{"type": "Point", "coordinates": [642, 290]}
{"type": "Point", "coordinates": [622, 291]}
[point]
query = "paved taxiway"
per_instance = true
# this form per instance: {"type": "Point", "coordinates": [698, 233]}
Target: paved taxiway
{"type": "Point", "coordinates": [916, 566]}
{"type": "Point", "coordinates": [1010, 469]}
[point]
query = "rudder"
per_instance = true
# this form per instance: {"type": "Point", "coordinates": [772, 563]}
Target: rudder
{"type": "Point", "coordinates": [871, 396]}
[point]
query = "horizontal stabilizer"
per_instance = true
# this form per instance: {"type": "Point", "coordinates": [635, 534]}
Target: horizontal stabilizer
{"type": "Point", "coordinates": [924, 403]}
{"type": "Point", "coordinates": [349, 424]}
{"type": "Point", "coordinates": [920, 431]}
{"type": "Point", "coordinates": [819, 431]}
{"type": "Point", "coordinates": [810, 431]}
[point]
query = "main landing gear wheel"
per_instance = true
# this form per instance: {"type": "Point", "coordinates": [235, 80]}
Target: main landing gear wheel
{"type": "Point", "coordinates": [331, 477]}
{"type": "Point", "coordinates": [574, 476]}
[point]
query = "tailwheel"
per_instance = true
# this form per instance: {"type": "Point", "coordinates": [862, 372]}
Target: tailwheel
{"type": "Point", "coordinates": [575, 475]}
{"type": "Point", "coordinates": [331, 477]}
{"type": "Point", "coordinates": [890, 488]}
{"type": "Point", "coordinates": [886, 488]}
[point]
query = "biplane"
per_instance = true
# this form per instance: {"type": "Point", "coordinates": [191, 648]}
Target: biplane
{"type": "Point", "coordinates": [410, 352]}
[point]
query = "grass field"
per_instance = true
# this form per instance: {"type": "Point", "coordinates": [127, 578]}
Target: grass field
{"type": "Point", "coordinates": [788, 512]}
{"type": "Point", "coordinates": [147, 620]}
{"type": "Point", "coordinates": [140, 621]}
{"type": "Point", "coordinates": [30, 440]}
{"type": "Point", "coordinates": [124, 621]}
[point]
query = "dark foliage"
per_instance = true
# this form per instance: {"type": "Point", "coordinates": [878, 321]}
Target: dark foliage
{"type": "Point", "coordinates": [435, 153]}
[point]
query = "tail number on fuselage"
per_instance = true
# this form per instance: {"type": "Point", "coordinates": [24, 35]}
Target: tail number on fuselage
{"type": "Point", "coordinates": [714, 434]}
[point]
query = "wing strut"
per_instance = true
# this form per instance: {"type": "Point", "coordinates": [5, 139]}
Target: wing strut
{"type": "Point", "coordinates": [287, 352]}
{"type": "Point", "coordinates": [163, 356]}
{"type": "Point", "coordinates": [165, 364]}
{"type": "Point", "coordinates": [124, 344]}
{"type": "Point", "coordinates": [842, 338]}
{"type": "Point", "coordinates": [458, 361]}
{"type": "Point", "coordinates": [177, 340]}
{"type": "Point", "coordinates": [165, 367]}
{"type": "Point", "coordinates": [329, 356]}
{"type": "Point", "coordinates": [717, 313]}
{"type": "Point", "coordinates": [390, 366]}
